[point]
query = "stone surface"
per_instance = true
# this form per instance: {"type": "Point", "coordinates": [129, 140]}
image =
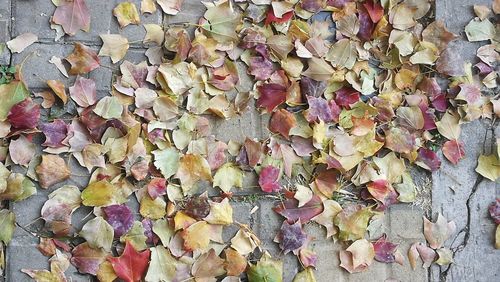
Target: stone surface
{"type": "Point", "coordinates": [37, 69]}
{"type": "Point", "coordinates": [458, 192]}
{"type": "Point", "coordinates": [464, 198]}
{"type": "Point", "coordinates": [5, 17]}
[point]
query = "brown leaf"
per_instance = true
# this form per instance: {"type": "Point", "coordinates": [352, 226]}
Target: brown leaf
{"type": "Point", "coordinates": [52, 170]}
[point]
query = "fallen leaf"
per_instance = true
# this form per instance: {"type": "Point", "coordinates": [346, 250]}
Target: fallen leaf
{"type": "Point", "coordinates": [291, 237]}
{"type": "Point", "coordinates": [24, 115]}
{"type": "Point", "coordinates": [290, 210]}
{"type": "Point", "coordinates": [269, 179]}
{"type": "Point", "coordinates": [266, 269]}
{"type": "Point", "coordinates": [489, 167]}
{"type": "Point", "coordinates": [52, 170]}
{"type": "Point", "coordinates": [120, 217]}
{"type": "Point", "coordinates": [437, 233]}
{"type": "Point", "coordinates": [192, 168]}
{"type": "Point", "coordinates": [162, 266]}
{"type": "Point", "coordinates": [221, 22]}
{"type": "Point", "coordinates": [22, 151]}
{"type": "Point", "coordinates": [18, 44]}
{"type": "Point", "coordinates": [454, 151]}
{"type": "Point", "coordinates": [98, 233]}
{"type": "Point", "coordinates": [11, 94]}
{"type": "Point", "coordinates": [282, 121]}
{"type": "Point", "coordinates": [102, 193]}
{"type": "Point", "coordinates": [227, 177]}
{"type": "Point", "coordinates": [7, 225]}
{"type": "Point", "coordinates": [114, 46]}
{"type": "Point", "coordinates": [131, 265]}
{"type": "Point", "coordinates": [170, 7]}
{"type": "Point", "coordinates": [352, 222]}
{"type": "Point", "coordinates": [126, 13]}
{"type": "Point", "coordinates": [82, 60]}
{"type": "Point", "coordinates": [87, 259]}
{"type": "Point", "coordinates": [358, 256]}
{"type": "Point", "coordinates": [72, 16]}
{"type": "Point", "coordinates": [83, 92]}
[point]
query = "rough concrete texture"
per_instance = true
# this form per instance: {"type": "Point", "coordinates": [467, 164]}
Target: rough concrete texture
{"type": "Point", "coordinates": [457, 191]}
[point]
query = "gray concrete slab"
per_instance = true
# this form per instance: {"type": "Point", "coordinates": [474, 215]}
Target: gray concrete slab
{"type": "Point", "coordinates": [5, 19]}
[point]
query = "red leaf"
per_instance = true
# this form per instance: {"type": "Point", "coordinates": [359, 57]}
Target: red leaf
{"type": "Point", "coordinates": [271, 18]}
{"type": "Point", "coordinates": [282, 121]}
{"type": "Point", "coordinates": [346, 96]}
{"type": "Point", "coordinates": [268, 179]}
{"type": "Point", "coordinates": [375, 10]}
{"type": "Point", "coordinates": [494, 210]}
{"type": "Point", "coordinates": [290, 210]}
{"type": "Point", "coordinates": [382, 191]}
{"type": "Point", "coordinates": [384, 250]}
{"type": "Point", "coordinates": [131, 265]}
{"type": "Point", "coordinates": [271, 96]}
{"type": "Point", "coordinates": [157, 187]}
{"type": "Point", "coordinates": [454, 151]}
{"type": "Point", "coordinates": [24, 115]}
{"type": "Point", "coordinates": [429, 159]}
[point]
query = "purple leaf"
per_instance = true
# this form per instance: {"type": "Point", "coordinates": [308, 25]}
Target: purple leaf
{"type": "Point", "coordinates": [291, 237]}
{"type": "Point", "coordinates": [495, 211]}
{"type": "Point", "coordinates": [384, 250]}
{"type": "Point", "coordinates": [261, 68]}
{"type": "Point", "coordinates": [318, 109]}
{"type": "Point", "coordinates": [120, 218]}
{"type": "Point", "coordinates": [55, 132]}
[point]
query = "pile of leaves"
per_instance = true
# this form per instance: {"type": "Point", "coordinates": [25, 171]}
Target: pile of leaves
{"type": "Point", "coordinates": [353, 92]}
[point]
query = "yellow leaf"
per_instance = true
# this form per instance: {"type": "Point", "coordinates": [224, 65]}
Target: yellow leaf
{"type": "Point", "coordinates": [126, 13]}
{"type": "Point", "coordinates": [196, 236]}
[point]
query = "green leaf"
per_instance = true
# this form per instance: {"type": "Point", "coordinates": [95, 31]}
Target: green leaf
{"type": "Point", "coordinates": [135, 236]}
{"type": "Point", "coordinates": [108, 108]}
{"type": "Point", "coordinates": [167, 161]}
{"type": "Point", "coordinates": [162, 266]}
{"type": "Point", "coordinates": [478, 30]}
{"type": "Point", "coordinates": [221, 23]}
{"type": "Point", "coordinates": [11, 94]}
{"type": "Point", "coordinates": [98, 233]}
{"type": "Point", "coordinates": [163, 230]}
{"type": "Point", "coordinates": [7, 225]}
{"type": "Point", "coordinates": [267, 269]}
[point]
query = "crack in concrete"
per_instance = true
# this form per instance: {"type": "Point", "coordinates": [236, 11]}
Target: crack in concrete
{"type": "Point", "coordinates": [443, 274]}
